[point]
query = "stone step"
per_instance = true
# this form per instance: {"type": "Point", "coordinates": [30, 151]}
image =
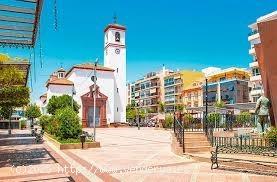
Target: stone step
{"type": "Point", "coordinates": [196, 139]}
{"type": "Point", "coordinates": [196, 144]}
{"type": "Point", "coordinates": [198, 149]}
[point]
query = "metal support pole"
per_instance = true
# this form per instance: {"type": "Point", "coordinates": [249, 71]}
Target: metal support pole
{"type": "Point", "coordinates": [138, 122]}
{"type": "Point", "coordinates": [94, 101]}
{"type": "Point", "coordinates": [174, 123]}
{"type": "Point", "coordinates": [206, 106]}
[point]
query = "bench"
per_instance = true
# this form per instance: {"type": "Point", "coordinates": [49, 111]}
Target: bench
{"type": "Point", "coordinates": [243, 164]}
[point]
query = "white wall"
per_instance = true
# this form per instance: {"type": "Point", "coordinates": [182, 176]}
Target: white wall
{"type": "Point", "coordinates": [118, 63]}
{"type": "Point", "coordinates": [105, 80]}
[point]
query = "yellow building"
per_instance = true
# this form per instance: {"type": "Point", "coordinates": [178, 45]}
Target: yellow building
{"type": "Point", "coordinates": [228, 74]}
{"type": "Point", "coordinates": [175, 83]}
{"type": "Point", "coordinates": [192, 95]}
{"type": "Point", "coordinates": [229, 86]}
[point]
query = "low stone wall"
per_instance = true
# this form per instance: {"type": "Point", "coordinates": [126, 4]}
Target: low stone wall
{"type": "Point", "coordinates": [64, 146]}
{"type": "Point", "coordinates": [175, 145]}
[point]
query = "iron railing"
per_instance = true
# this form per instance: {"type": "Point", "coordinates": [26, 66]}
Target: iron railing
{"type": "Point", "coordinates": [179, 132]}
{"type": "Point", "coordinates": [246, 144]}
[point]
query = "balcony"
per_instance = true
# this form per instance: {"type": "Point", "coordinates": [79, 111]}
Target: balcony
{"type": "Point", "coordinates": [253, 35]}
{"type": "Point", "coordinates": [255, 78]}
{"type": "Point", "coordinates": [256, 91]}
{"type": "Point", "coordinates": [252, 51]}
{"type": "Point", "coordinates": [254, 64]}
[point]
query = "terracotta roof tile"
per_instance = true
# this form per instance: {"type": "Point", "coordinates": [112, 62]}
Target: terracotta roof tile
{"type": "Point", "coordinates": [90, 66]}
{"type": "Point", "coordinates": [59, 81]}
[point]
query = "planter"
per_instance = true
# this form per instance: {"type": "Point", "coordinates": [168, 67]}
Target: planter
{"type": "Point", "coordinates": [65, 146]}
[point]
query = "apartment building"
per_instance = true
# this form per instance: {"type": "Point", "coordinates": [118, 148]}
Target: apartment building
{"type": "Point", "coordinates": [147, 92]}
{"type": "Point", "coordinates": [228, 85]}
{"type": "Point", "coordinates": [174, 85]}
{"type": "Point", "coordinates": [192, 95]}
{"type": "Point", "coordinates": [254, 39]}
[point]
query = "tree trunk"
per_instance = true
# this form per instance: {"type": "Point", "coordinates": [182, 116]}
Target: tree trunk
{"type": "Point", "coordinates": [10, 122]}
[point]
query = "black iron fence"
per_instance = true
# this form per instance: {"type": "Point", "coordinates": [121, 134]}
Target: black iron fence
{"type": "Point", "coordinates": [246, 144]}
{"type": "Point", "coordinates": [179, 132]}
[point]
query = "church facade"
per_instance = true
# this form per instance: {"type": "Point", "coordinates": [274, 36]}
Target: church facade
{"type": "Point", "coordinates": [110, 85]}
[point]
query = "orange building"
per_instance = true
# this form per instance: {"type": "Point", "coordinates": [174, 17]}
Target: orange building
{"type": "Point", "coordinates": [192, 95]}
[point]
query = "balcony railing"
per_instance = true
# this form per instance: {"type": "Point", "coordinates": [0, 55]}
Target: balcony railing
{"type": "Point", "coordinates": [253, 32]}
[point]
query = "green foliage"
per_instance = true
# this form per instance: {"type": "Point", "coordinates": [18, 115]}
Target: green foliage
{"type": "Point", "coordinates": [161, 107]}
{"type": "Point", "coordinates": [141, 113]}
{"type": "Point", "coordinates": [32, 111]}
{"type": "Point", "coordinates": [6, 112]}
{"type": "Point", "coordinates": [219, 104]}
{"type": "Point", "coordinates": [44, 121]}
{"type": "Point", "coordinates": [130, 112]}
{"type": "Point", "coordinates": [53, 127]}
{"type": "Point", "coordinates": [14, 96]}
{"type": "Point", "coordinates": [271, 135]}
{"type": "Point", "coordinates": [11, 76]}
{"type": "Point", "coordinates": [168, 121]}
{"type": "Point", "coordinates": [69, 123]}
{"type": "Point", "coordinates": [188, 118]}
{"type": "Point", "coordinates": [56, 103]}
{"type": "Point", "coordinates": [243, 118]}
{"type": "Point", "coordinates": [23, 123]}
{"type": "Point", "coordinates": [180, 107]}
{"type": "Point", "coordinates": [213, 117]}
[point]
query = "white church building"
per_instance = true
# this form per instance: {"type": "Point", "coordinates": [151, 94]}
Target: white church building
{"type": "Point", "coordinates": [110, 85]}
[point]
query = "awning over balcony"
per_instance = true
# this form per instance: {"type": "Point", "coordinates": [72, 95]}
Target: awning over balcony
{"type": "Point", "coordinates": [19, 22]}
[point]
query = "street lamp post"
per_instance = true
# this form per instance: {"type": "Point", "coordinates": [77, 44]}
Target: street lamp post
{"type": "Point", "coordinates": [94, 100]}
{"type": "Point", "coordinates": [73, 93]}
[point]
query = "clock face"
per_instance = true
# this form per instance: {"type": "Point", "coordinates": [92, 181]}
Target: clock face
{"type": "Point", "coordinates": [117, 51]}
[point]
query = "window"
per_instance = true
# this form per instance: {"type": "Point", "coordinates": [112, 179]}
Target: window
{"type": "Point", "coordinates": [60, 75]}
{"type": "Point", "coordinates": [117, 37]}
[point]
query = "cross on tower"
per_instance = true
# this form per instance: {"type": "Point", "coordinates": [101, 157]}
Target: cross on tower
{"type": "Point", "coordinates": [114, 18]}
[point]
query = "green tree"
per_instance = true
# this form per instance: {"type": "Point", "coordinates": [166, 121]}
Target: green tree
{"type": "Point", "coordinates": [59, 102]}
{"type": "Point", "coordinates": [213, 118]}
{"type": "Point", "coordinates": [70, 126]}
{"type": "Point", "coordinates": [11, 76]}
{"type": "Point", "coordinates": [161, 107]}
{"type": "Point", "coordinates": [130, 112]}
{"type": "Point", "coordinates": [168, 121]}
{"type": "Point", "coordinates": [32, 112]}
{"type": "Point", "coordinates": [12, 93]}
{"type": "Point", "coordinates": [219, 104]}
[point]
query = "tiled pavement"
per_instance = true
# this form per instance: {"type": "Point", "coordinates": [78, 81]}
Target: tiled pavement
{"type": "Point", "coordinates": [126, 154]}
{"type": "Point", "coordinates": [22, 160]}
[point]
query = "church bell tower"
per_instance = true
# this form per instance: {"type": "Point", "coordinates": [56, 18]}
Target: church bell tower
{"type": "Point", "coordinates": [115, 58]}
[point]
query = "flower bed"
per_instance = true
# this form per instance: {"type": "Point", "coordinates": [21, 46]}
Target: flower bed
{"type": "Point", "coordinates": [70, 143]}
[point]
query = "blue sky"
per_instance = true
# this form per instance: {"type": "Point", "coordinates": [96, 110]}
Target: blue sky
{"type": "Point", "coordinates": [182, 34]}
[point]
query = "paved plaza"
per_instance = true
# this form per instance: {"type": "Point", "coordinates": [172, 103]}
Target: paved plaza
{"type": "Point", "coordinates": [126, 154]}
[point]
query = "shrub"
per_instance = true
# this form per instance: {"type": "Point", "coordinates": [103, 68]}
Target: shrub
{"type": "Point", "coordinates": [23, 123]}
{"type": "Point", "coordinates": [53, 126]}
{"type": "Point", "coordinates": [243, 118]}
{"type": "Point", "coordinates": [44, 121]}
{"type": "Point", "coordinates": [69, 123]}
{"type": "Point", "coordinates": [168, 121]}
{"type": "Point", "coordinates": [271, 135]}
{"type": "Point", "coordinates": [56, 103]}
{"type": "Point", "coordinates": [213, 117]}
